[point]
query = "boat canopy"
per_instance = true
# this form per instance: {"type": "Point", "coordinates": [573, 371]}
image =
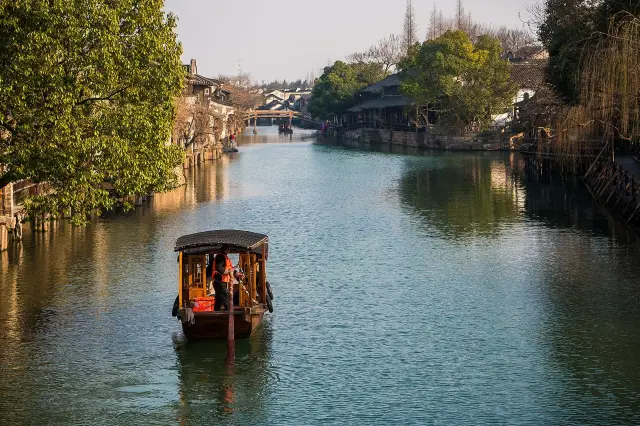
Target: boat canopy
{"type": "Point", "coordinates": [210, 241]}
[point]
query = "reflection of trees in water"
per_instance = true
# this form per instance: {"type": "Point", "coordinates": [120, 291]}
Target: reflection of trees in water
{"type": "Point", "coordinates": [557, 201]}
{"type": "Point", "coordinates": [466, 195]}
{"type": "Point", "coordinates": [44, 286]}
{"type": "Point", "coordinates": [591, 335]}
{"type": "Point", "coordinates": [213, 392]}
{"type": "Point", "coordinates": [561, 202]}
{"type": "Point", "coordinates": [462, 195]}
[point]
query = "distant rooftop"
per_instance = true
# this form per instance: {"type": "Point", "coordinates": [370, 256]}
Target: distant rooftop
{"type": "Point", "coordinates": [529, 73]}
{"type": "Point", "coordinates": [391, 81]}
{"type": "Point", "coordinates": [199, 80]}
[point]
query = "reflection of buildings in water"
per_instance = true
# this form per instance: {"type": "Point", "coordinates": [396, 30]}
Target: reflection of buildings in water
{"type": "Point", "coordinates": [210, 390]}
{"type": "Point", "coordinates": [499, 176]}
{"type": "Point", "coordinates": [171, 201]}
{"type": "Point", "coordinates": [12, 353]}
{"type": "Point", "coordinates": [29, 296]}
{"type": "Point", "coordinates": [505, 180]}
{"type": "Point", "coordinates": [206, 182]}
{"type": "Point", "coordinates": [221, 179]}
{"type": "Point", "coordinates": [9, 296]}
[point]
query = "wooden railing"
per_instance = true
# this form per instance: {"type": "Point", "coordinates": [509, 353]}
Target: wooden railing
{"type": "Point", "coordinates": [259, 113]}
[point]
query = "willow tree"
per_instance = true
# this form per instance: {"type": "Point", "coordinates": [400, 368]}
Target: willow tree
{"type": "Point", "coordinates": [87, 91]}
{"type": "Point", "coordinates": [609, 107]}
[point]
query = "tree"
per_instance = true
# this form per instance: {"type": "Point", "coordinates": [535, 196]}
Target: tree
{"type": "Point", "coordinates": [460, 24]}
{"type": "Point", "coordinates": [87, 101]}
{"type": "Point", "coordinates": [470, 83]}
{"type": "Point", "coordinates": [195, 121]}
{"type": "Point", "coordinates": [244, 97]}
{"type": "Point", "coordinates": [410, 35]}
{"type": "Point", "coordinates": [432, 31]}
{"type": "Point", "coordinates": [335, 90]}
{"type": "Point", "coordinates": [241, 79]}
{"type": "Point", "coordinates": [387, 53]}
{"type": "Point", "coordinates": [609, 101]}
{"type": "Point", "coordinates": [566, 30]}
{"type": "Point", "coordinates": [511, 39]}
{"type": "Point", "coordinates": [516, 41]}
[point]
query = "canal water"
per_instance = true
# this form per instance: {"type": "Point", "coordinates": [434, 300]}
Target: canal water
{"type": "Point", "coordinates": [409, 289]}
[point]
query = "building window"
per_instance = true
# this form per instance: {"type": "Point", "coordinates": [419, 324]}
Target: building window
{"type": "Point", "coordinates": [206, 91]}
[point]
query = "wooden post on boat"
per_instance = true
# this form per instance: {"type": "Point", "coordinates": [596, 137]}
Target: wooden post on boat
{"type": "Point", "coordinates": [231, 344]}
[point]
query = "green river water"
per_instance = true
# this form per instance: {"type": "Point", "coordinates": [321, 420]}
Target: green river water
{"type": "Point", "coordinates": [409, 288]}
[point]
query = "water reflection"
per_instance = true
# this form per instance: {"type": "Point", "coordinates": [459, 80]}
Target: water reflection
{"type": "Point", "coordinates": [463, 196]}
{"type": "Point", "coordinates": [532, 320]}
{"type": "Point", "coordinates": [212, 391]}
{"type": "Point", "coordinates": [593, 332]}
{"type": "Point", "coordinates": [205, 182]}
{"type": "Point", "coordinates": [269, 134]}
{"type": "Point", "coordinates": [563, 202]}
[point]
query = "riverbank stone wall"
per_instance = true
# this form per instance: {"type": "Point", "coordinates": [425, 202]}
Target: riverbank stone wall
{"type": "Point", "coordinates": [427, 140]}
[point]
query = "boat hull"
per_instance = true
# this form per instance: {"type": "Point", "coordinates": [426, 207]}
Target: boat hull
{"type": "Point", "coordinates": [215, 325]}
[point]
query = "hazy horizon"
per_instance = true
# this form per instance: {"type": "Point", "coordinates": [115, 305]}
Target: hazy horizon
{"type": "Point", "coordinates": [287, 39]}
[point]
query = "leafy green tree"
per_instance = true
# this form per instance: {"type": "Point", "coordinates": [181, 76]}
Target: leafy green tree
{"type": "Point", "coordinates": [87, 92]}
{"type": "Point", "coordinates": [565, 31]}
{"type": "Point", "coordinates": [334, 92]}
{"type": "Point", "coordinates": [468, 82]}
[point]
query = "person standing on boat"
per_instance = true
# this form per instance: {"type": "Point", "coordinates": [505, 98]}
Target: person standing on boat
{"type": "Point", "coordinates": [222, 277]}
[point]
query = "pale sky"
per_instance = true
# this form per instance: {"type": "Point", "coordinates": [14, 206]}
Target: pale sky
{"type": "Point", "coordinates": [287, 39]}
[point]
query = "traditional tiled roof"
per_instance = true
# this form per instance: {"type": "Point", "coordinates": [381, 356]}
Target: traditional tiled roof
{"type": "Point", "coordinates": [198, 80]}
{"type": "Point", "coordinates": [270, 105]}
{"type": "Point", "coordinates": [384, 102]}
{"type": "Point", "coordinates": [392, 81]}
{"type": "Point", "coordinates": [529, 74]}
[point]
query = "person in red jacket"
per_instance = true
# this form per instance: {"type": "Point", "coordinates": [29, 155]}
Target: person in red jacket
{"type": "Point", "coordinates": [223, 268]}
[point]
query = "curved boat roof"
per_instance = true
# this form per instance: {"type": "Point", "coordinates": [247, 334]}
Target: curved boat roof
{"type": "Point", "coordinates": [214, 240]}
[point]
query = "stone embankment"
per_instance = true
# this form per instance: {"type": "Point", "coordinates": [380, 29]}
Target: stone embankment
{"type": "Point", "coordinates": [430, 139]}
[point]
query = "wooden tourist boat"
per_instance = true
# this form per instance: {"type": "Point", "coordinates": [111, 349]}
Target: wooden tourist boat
{"type": "Point", "coordinates": [250, 292]}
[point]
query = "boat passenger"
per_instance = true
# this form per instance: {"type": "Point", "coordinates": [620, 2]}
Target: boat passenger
{"type": "Point", "coordinates": [222, 278]}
